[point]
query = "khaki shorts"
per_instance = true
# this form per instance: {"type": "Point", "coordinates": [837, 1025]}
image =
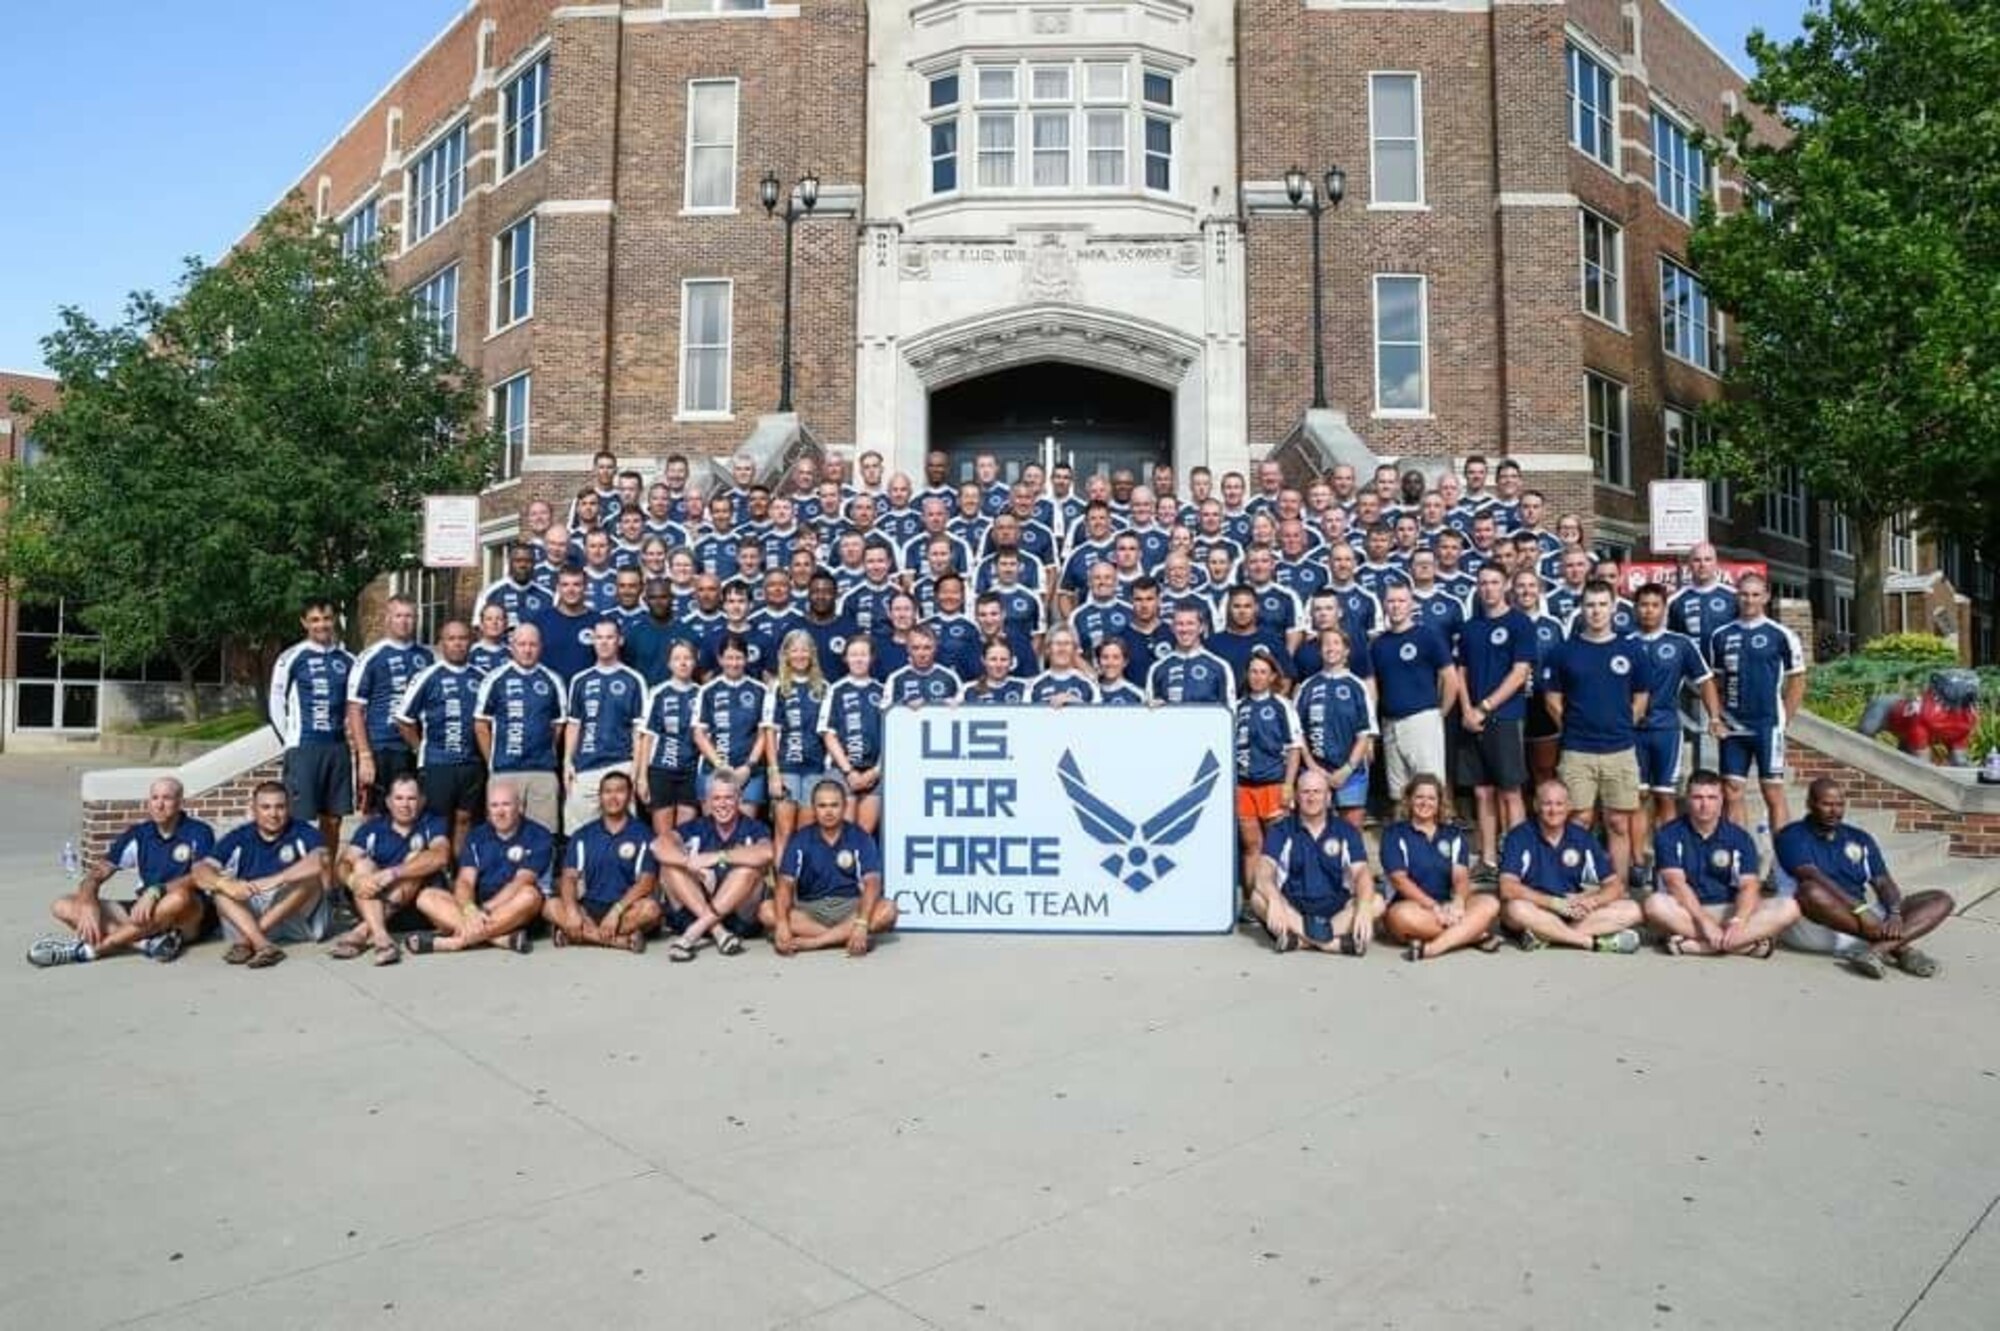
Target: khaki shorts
{"type": "Point", "coordinates": [1608, 778]}
{"type": "Point", "coordinates": [1413, 746]}
{"type": "Point", "coordinates": [580, 805]}
{"type": "Point", "coordinates": [830, 911]}
{"type": "Point", "coordinates": [538, 795]}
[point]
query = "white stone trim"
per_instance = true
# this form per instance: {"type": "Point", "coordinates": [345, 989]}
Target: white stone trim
{"type": "Point", "coordinates": [562, 12]}
{"type": "Point", "coordinates": [661, 15]}
{"type": "Point", "coordinates": [1522, 199]}
{"type": "Point", "coordinates": [575, 207]}
{"type": "Point", "coordinates": [199, 775]}
{"type": "Point", "coordinates": [1549, 462]}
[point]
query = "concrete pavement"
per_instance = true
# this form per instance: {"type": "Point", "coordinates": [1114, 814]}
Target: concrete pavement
{"type": "Point", "coordinates": [989, 1132]}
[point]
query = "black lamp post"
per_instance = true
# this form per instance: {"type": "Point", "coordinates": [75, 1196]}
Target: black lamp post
{"type": "Point", "coordinates": [807, 198]}
{"type": "Point", "coordinates": [1303, 192]}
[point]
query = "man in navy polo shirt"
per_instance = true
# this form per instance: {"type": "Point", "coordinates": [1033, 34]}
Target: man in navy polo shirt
{"type": "Point", "coordinates": [393, 856]}
{"type": "Point", "coordinates": [1597, 693]}
{"type": "Point", "coordinates": [1415, 686]}
{"type": "Point", "coordinates": [1709, 902]}
{"type": "Point", "coordinates": [308, 702]}
{"type": "Point", "coordinates": [1497, 655]}
{"type": "Point", "coordinates": [713, 869]}
{"type": "Point", "coordinates": [607, 893]}
{"type": "Point", "coordinates": [606, 704]}
{"type": "Point", "coordinates": [1669, 663]}
{"type": "Point", "coordinates": [828, 889]}
{"type": "Point", "coordinates": [1313, 884]}
{"type": "Point", "coordinates": [166, 913]}
{"type": "Point", "coordinates": [1559, 886]}
{"type": "Point", "coordinates": [264, 878]}
{"type": "Point", "coordinates": [503, 875]}
{"type": "Point", "coordinates": [1836, 865]}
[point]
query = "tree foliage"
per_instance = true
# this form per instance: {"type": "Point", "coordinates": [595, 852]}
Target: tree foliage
{"type": "Point", "coordinates": [215, 459]}
{"type": "Point", "coordinates": [1864, 296]}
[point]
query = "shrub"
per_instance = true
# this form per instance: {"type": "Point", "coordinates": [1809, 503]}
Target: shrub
{"type": "Point", "coordinates": [1910, 648]}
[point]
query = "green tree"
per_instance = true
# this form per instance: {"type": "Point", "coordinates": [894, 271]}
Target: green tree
{"type": "Point", "coordinates": [1864, 293]}
{"type": "Point", "coordinates": [216, 459]}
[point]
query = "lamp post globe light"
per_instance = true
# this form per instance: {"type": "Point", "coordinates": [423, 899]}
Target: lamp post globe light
{"type": "Point", "coordinates": [1305, 193]}
{"type": "Point", "coordinates": [800, 203]}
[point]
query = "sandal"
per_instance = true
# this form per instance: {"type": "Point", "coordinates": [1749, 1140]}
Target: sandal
{"type": "Point", "coordinates": [1284, 940]}
{"type": "Point", "coordinates": [1414, 951]}
{"type": "Point", "coordinates": [1350, 946]}
{"type": "Point", "coordinates": [347, 949]}
{"type": "Point", "coordinates": [557, 938]}
{"type": "Point", "coordinates": [420, 942]}
{"type": "Point", "coordinates": [1489, 942]}
{"type": "Point", "coordinates": [1674, 945]}
{"type": "Point", "coordinates": [387, 954]}
{"type": "Point", "coordinates": [727, 943]}
{"type": "Point", "coordinates": [237, 954]}
{"type": "Point", "coordinates": [1912, 962]}
{"type": "Point", "coordinates": [679, 950]}
{"type": "Point", "coordinates": [635, 943]}
{"type": "Point", "coordinates": [264, 958]}
{"type": "Point", "coordinates": [519, 943]}
{"type": "Point", "coordinates": [1762, 949]}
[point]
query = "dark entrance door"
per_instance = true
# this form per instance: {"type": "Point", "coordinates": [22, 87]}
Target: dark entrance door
{"type": "Point", "coordinates": [1098, 421]}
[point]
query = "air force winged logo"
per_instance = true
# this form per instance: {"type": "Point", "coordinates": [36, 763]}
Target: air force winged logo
{"type": "Point", "coordinates": [1137, 861]}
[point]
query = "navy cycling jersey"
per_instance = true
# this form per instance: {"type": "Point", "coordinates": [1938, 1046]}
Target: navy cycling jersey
{"type": "Point", "coordinates": [1199, 676]}
{"type": "Point", "coordinates": [1700, 611]}
{"type": "Point", "coordinates": [608, 863]}
{"type": "Point", "coordinates": [792, 715]}
{"type": "Point", "coordinates": [526, 708]}
{"type": "Point", "coordinates": [1428, 860]}
{"type": "Point", "coordinates": [1406, 664]}
{"type": "Point", "coordinates": [1009, 691]}
{"type": "Point", "coordinates": [1490, 647]}
{"type": "Point", "coordinates": [1360, 610]}
{"type": "Point", "coordinates": [387, 845]}
{"type": "Point", "coordinates": [1442, 611]}
{"type": "Point", "coordinates": [159, 857]}
{"type": "Point", "coordinates": [1576, 862]}
{"type": "Point", "coordinates": [820, 869]}
{"type": "Point", "coordinates": [1597, 681]}
{"type": "Point", "coordinates": [245, 852]}
{"type": "Point", "coordinates": [1073, 684]}
{"type": "Point", "coordinates": [521, 601]}
{"type": "Point", "coordinates": [1334, 711]}
{"type": "Point", "coordinates": [1314, 866]}
{"type": "Point", "coordinates": [731, 711]}
{"type": "Point", "coordinates": [1752, 660]}
{"type": "Point", "coordinates": [486, 657]}
{"type": "Point", "coordinates": [1846, 855]}
{"type": "Point", "coordinates": [1120, 693]}
{"type": "Point", "coordinates": [909, 684]}
{"type": "Point", "coordinates": [1667, 663]}
{"type": "Point", "coordinates": [381, 675]}
{"type": "Point", "coordinates": [670, 721]}
{"type": "Point", "coordinates": [1715, 865]}
{"type": "Point", "coordinates": [606, 705]}
{"type": "Point", "coordinates": [1267, 730]}
{"type": "Point", "coordinates": [1237, 649]}
{"type": "Point", "coordinates": [308, 694]}
{"type": "Point", "coordinates": [1278, 608]}
{"type": "Point", "coordinates": [1094, 621]}
{"type": "Point", "coordinates": [852, 718]}
{"type": "Point", "coordinates": [867, 605]}
{"type": "Point", "coordinates": [495, 860]}
{"type": "Point", "coordinates": [1303, 577]}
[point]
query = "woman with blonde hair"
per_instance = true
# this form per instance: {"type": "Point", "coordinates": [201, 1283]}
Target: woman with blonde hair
{"type": "Point", "coordinates": [797, 753]}
{"type": "Point", "coordinates": [1424, 858]}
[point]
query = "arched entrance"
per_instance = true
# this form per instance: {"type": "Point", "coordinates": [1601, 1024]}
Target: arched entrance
{"type": "Point", "coordinates": [1094, 420]}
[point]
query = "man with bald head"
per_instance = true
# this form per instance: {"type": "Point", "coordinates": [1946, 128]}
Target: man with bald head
{"type": "Point", "coordinates": [1845, 888]}
{"type": "Point", "coordinates": [162, 916]}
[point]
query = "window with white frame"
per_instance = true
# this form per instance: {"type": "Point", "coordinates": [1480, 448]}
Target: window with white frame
{"type": "Point", "coordinates": [523, 103]}
{"type": "Point", "coordinates": [711, 145]}
{"type": "Point", "coordinates": [1843, 615]}
{"type": "Point", "coordinates": [1687, 434]}
{"type": "Point", "coordinates": [1903, 543]}
{"type": "Point", "coordinates": [1395, 140]}
{"type": "Point", "coordinates": [1047, 125]}
{"type": "Point", "coordinates": [1690, 327]}
{"type": "Point", "coordinates": [1785, 504]}
{"type": "Point", "coordinates": [429, 589]}
{"type": "Point", "coordinates": [1786, 589]}
{"type": "Point", "coordinates": [1593, 107]}
{"type": "Point", "coordinates": [1839, 532]}
{"type": "Point", "coordinates": [514, 274]}
{"type": "Point", "coordinates": [706, 319]}
{"type": "Point", "coordinates": [436, 188]}
{"type": "Point", "coordinates": [509, 403]}
{"type": "Point", "coordinates": [1402, 370]}
{"type": "Point", "coordinates": [359, 229]}
{"type": "Point", "coordinates": [1604, 409]}
{"type": "Point", "coordinates": [1680, 168]}
{"type": "Point", "coordinates": [1602, 246]}
{"type": "Point", "coordinates": [435, 302]}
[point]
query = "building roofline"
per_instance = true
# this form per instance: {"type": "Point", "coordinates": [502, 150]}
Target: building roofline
{"type": "Point", "coordinates": [471, 8]}
{"type": "Point", "coordinates": [43, 375]}
{"type": "Point", "coordinates": [1702, 37]}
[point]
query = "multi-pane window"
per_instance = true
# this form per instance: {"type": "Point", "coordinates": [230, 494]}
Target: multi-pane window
{"type": "Point", "coordinates": [1604, 429]}
{"type": "Point", "coordinates": [1050, 125]}
{"type": "Point", "coordinates": [437, 184]}
{"type": "Point", "coordinates": [1593, 107]}
{"type": "Point", "coordinates": [1680, 167]}
{"type": "Point", "coordinates": [1401, 371]}
{"type": "Point", "coordinates": [1396, 139]}
{"type": "Point", "coordinates": [1785, 504]}
{"type": "Point", "coordinates": [522, 103]}
{"type": "Point", "coordinates": [706, 318]}
{"type": "Point", "coordinates": [435, 302]}
{"type": "Point", "coordinates": [359, 229]}
{"type": "Point", "coordinates": [514, 274]}
{"type": "Point", "coordinates": [429, 589]}
{"type": "Point", "coordinates": [509, 402]}
{"type": "Point", "coordinates": [1603, 257]}
{"type": "Point", "coordinates": [1903, 542]}
{"type": "Point", "coordinates": [55, 690]}
{"type": "Point", "coordinates": [711, 145]}
{"type": "Point", "coordinates": [1839, 532]}
{"type": "Point", "coordinates": [1690, 327]}
{"type": "Point", "coordinates": [1687, 434]}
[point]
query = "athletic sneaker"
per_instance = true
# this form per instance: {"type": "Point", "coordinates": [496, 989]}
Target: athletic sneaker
{"type": "Point", "coordinates": [164, 947]}
{"type": "Point", "coordinates": [1625, 941]}
{"type": "Point", "coordinates": [53, 951]}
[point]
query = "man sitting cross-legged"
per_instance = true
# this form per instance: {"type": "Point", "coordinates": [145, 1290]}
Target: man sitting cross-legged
{"type": "Point", "coordinates": [502, 874]}
{"type": "Point", "coordinates": [390, 859]}
{"type": "Point", "coordinates": [265, 880]}
{"type": "Point", "coordinates": [1710, 900]}
{"type": "Point", "coordinates": [829, 884]}
{"type": "Point", "coordinates": [713, 868]}
{"type": "Point", "coordinates": [1312, 883]}
{"type": "Point", "coordinates": [1835, 865]}
{"type": "Point", "coordinates": [1558, 885]}
{"type": "Point", "coordinates": [607, 891]}
{"type": "Point", "coordinates": [167, 912]}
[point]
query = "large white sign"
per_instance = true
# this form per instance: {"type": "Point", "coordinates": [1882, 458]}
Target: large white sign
{"type": "Point", "coordinates": [1084, 819]}
{"type": "Point", "coordinates": [451, 531]}
{"type": "Point", "coordinates": [1679, 513]}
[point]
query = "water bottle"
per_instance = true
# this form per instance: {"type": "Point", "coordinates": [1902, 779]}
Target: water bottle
{"type": "Point", "coordinates": [1991, 775]}
{"type": "Point", "coordinates": [72, 864]}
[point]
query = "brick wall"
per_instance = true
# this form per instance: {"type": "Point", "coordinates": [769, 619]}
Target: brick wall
{"type": "Point", "coordinates": [1973, 835]}
{"type": "Point", "coordinates": [221, 808]}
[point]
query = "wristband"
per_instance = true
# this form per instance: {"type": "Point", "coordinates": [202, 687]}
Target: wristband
{"type": "Point", "coordinates": [722, 860]}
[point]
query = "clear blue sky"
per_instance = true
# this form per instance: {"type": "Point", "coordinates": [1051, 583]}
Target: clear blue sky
{"type": "Point", "coordinates": [134, 133]}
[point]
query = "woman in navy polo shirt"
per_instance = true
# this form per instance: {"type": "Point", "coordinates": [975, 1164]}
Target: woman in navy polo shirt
{"type": "Point", "coordinates": [1435, 910]}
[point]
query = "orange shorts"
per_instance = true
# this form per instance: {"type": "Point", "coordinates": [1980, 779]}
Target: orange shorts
{"type": "Point", "coordinates": [1261, 802]}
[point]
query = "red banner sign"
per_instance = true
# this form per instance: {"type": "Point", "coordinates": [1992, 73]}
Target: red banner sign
{"type": "Point", "coordinates": [1633, 576]}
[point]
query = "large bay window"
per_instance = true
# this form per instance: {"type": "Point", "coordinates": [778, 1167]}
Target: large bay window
{"type": "Point", "coordinates": [1036, 125]}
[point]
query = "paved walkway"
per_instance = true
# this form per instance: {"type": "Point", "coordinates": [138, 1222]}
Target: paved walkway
{"type": "Point", "coordinates": [987, 1132]}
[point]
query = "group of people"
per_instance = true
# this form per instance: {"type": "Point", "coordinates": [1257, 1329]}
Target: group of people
{"type": "Point", "coordinates": [668, 715]}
